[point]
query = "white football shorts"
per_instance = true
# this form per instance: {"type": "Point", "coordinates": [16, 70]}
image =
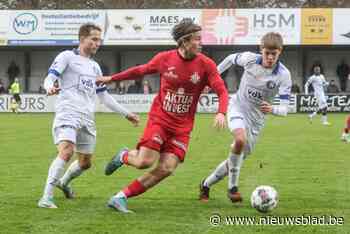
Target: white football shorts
{"type": "Point", "coordinates": [76, 129]}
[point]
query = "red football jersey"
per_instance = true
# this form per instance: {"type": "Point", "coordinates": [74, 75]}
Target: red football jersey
{"type": "Point", "coordinates": [181, 84]}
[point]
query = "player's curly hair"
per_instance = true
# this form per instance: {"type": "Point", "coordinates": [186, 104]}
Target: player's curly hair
{"type": "Point", "coordinates": [184, 30]}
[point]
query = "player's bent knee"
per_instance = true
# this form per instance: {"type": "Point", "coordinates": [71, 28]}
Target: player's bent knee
{"type": "Point", "coordinates": [144, 163]}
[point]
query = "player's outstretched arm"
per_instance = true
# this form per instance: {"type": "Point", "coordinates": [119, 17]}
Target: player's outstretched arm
{"type": "Point", "coordinates": [134, 73]}
{"type": "Point", "coordinates": [103, 80]}
{"type": "Point", "coordinates": [109, 102]}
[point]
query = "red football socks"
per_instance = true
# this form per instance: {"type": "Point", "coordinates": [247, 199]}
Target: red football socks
{"type": "Point", "coordinates": [134, 189]}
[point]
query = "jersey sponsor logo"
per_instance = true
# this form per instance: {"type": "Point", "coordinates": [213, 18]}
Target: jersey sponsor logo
{"type": "Point", "coordinates": [255, 94]}
{"type": "Point", "coordinates": [86, 84]}
{"type": "Point", "coordinates": [271, 84]}
{"type": "Point", "coordinates": [178, 102]}
{"type": "Point", "coordinates": [195, 78]}
{"type": "Point", "coordinates": [171, 73]}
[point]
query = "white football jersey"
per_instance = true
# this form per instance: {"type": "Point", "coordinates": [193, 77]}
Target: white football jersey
{"type": "Point", "coordinates": [77, 76]}
{"type": "Point", "coordinates": [318, 82]}
{"type": "Point", "coordinates": [258, 84]}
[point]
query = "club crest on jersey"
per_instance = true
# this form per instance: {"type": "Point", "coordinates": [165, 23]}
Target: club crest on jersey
{"type": "Point", "coordinates": [270, 84]}
{"type": "Point", "coordinates": [171, 73]}
{"type": "Point", "coordinates": [195, 78]}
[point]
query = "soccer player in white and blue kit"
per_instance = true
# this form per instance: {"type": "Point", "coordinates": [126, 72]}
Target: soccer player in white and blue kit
{"type": "Point", "coordinates": [319, 83]}
{"type": "Point", "coordinates": [264, 77]}
{"type": "Point", "coordinates": [74, 124]}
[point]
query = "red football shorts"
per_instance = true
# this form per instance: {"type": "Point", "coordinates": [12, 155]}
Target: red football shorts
{"type": "Point", "coordinates": [163, 140]}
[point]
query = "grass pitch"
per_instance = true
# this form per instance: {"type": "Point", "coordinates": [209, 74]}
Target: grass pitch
{"type": "Point", "coordinates": [306, 163]}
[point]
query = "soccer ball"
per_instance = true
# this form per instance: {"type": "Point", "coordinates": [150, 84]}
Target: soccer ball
{"type": "Point", "coordinates": [264, 198]}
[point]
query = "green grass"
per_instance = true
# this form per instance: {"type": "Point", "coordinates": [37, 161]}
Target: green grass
{"type": "Point", "coordinates": [307, 164]}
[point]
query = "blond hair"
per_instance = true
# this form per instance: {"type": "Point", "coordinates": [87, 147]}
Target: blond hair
{"type": "Point", "coordinates": [272, 41]}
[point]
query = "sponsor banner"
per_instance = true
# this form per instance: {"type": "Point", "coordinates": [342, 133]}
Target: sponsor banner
{"type": "Point", "coordinates": [209, 103]}
{"type": "Point", "coordinates": [140, 103]}
{"type": "Point", "coordinates": [149, 27]}
{"type": "Point", "coordinates": [336, 103]}
{"type": "Point", "coordinates": [316, 26]}
{"type": "Point", "coordinates": [341, 27]}
{"type": "Point", "coordinates": [144, 27]}
{"type": "Point", "coordinates": [50, 27]}
{"type": "Point", "coordinates": [247, 26]}
{"type": "Point", "coordinates": [4, 27]}
{"type": "Point", "coordinates": [30, 103]}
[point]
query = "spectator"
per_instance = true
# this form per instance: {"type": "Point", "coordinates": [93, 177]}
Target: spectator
{"type": "Point", "coordinates": [134, 87]}
{"type": "Point", "coordinates": [13, 71]}
{"type": "Point", "coordinates": [332, 88]}
{"type": "Point", "coordinates": [15, 90]}
{"type": "Point", "coordinates": [2, 87]}
{"type": "Point", "coordinates": [343, 71]}
{"type": "Point", "coordinates": [295, 88]}
{"type": "Point", "coordinates": [121, 89]}
{"type": "Point", "coordinates": [147, 89]}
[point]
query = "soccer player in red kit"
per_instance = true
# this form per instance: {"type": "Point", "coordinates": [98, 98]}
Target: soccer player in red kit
{"type": "Point", "coordinates": [345, 135]}
{"type": "Point", "coordinates": [184, 73]}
